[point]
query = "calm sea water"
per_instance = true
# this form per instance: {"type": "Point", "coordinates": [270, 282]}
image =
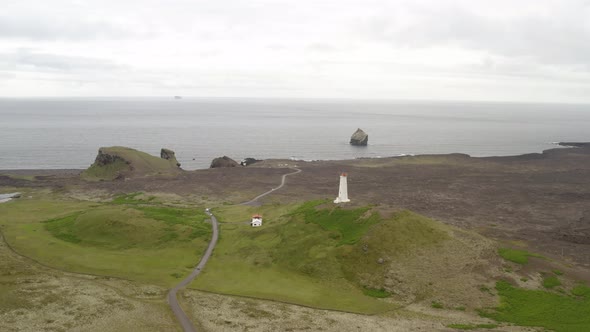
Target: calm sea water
{"type": "Point", "coordinates": [66, 133]}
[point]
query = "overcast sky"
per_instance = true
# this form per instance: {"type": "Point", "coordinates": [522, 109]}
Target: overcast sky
{"type": "Point", "coordinates": [505, 50]}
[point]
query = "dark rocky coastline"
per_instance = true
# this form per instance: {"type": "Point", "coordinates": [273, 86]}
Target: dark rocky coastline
{"type": "Point", "coordinates": [575, 144]}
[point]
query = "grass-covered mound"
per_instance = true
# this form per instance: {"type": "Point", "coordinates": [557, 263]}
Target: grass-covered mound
{"type": "Point", "coordinates": [415, 258]}
{"type": "Point", "coordinates": [345, 224]}
{"type": "Point", "coordinates": [323, 256]}
{"type": "Point", "coordinates": [285, 260]}
{"type": "Point", "coordinates": [120, 162]}
{"type": "Point", "coordinates": [122, 227]}
{"type": "Point", "coordinates": [148, 242]}
{"type": "Point", "coordinates": [553, 311]}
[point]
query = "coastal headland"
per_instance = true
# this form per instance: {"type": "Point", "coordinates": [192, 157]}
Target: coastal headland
{"type": "Point", "coordinates": [433, 242]}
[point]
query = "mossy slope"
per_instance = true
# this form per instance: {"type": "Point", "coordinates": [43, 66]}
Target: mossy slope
{"type": "Point", "coordinates": [329, 257]}
{"type": "Point", "coordinates": [147, 242]}
{"type": "Point", "coordinates": [120, 162]}
{"type": "Point", "coordinates": [419, 259]}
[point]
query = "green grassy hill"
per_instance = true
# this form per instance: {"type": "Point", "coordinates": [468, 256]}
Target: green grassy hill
{"type": "Point", "coordinates": [120, 162]}
{"type": "Point", "coordinates": [127, 238]}
{"type": "Point", "coordinates": [344, 259]}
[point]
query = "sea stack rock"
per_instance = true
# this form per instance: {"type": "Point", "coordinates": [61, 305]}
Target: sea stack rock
{"type": "Point", "coordinates": [169, 155]}
{"type": "Point", "coordinates": [224, 161]}
{"type": "Point", "coordinates": [359, 138]}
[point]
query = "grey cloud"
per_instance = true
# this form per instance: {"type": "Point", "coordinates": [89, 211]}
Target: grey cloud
{"type": "Point", "coordinates": [276, 47]}
{"type": "Point", "coordinates": [4, 75]}
{"type": "Point", "coordinates": [562, 38]}
{"type": "Point", "coordinates": [321, 48]}
{"type": "Point", "coordinates": [310, 47]}
{"type": "Point", "coordinates": [26, 60]}
{"type": "Point", "coordinates": [210, 53]}
{"type": "Point", "coordinates": [69, 28]}
{"type": "Point", "coordinates": [488, 69]}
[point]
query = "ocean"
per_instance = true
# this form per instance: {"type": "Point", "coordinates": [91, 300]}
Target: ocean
{"type": "Point", "coordinates": [55, 133]}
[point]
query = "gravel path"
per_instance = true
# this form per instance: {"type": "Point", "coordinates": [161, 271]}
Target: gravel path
{"type": "Point", "coordinates": [255, 200]}
{"type": "Point", "coordinates": [185, 322]}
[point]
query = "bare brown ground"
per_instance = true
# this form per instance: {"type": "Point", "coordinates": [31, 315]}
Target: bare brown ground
{"type": "Point", "coordinates": [229, 313]}
{"type": "Point", "coordinates": [35, 298]}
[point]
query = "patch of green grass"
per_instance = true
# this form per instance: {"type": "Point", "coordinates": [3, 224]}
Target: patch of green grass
{"type": "Point", "coordinates": [22, 211]}
{"type": "Point", "coordinates": [437, 305]}
{"type": "Point", "coordinates": [128, 199]}
{"type": "Point", "coordinates": [137, 198]}
{"type": "Point", "coordinates": [56, 227]}
{"type": "Point", "coordinates": [558, 272]}
{"type": "Point", "coordinates": [581, 290]}
{"type": "Point", "coordinates": [540, 308]}
{"type": "Point", "coordinates": [173, 216]}
{"type": "Point", "coordinates": [551, 282]}
{"type": "Point", "coordinates": [516, 255]}
{"type": "Point", "coordinates": [472, 326]}
{"type": "Point", "coordinates": [349, 224]}
{"type": "Point", "coordinates": [378, 293]}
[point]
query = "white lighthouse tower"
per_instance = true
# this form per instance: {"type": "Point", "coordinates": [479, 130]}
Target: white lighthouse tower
{"type": "Point", "coordinates": [343, 190]}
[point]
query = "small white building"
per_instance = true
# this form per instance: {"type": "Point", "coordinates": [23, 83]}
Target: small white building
{"type": "Point", "coordinates": [256, 220]}
{"type": "Point", "coordinates": [342, 191]}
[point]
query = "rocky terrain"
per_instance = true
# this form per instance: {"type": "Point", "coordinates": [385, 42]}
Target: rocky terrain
{"type": "Point", "coordinates": [222, 162]}
{"type": "Point", "coordinates": [169, 155]}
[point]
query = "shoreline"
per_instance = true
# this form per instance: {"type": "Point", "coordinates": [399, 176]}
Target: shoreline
{"type": "Point", "coordinates": [76, 171]}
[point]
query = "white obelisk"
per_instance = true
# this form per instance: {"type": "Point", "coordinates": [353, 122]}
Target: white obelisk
{"type": "Point", "coordinates": [342, 191]}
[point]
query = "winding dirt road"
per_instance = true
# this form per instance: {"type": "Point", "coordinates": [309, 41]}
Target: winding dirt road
{"type": "Point", "coordinates": [183, 319]}
{"type": "Point", "coordinates": [255, 200]}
